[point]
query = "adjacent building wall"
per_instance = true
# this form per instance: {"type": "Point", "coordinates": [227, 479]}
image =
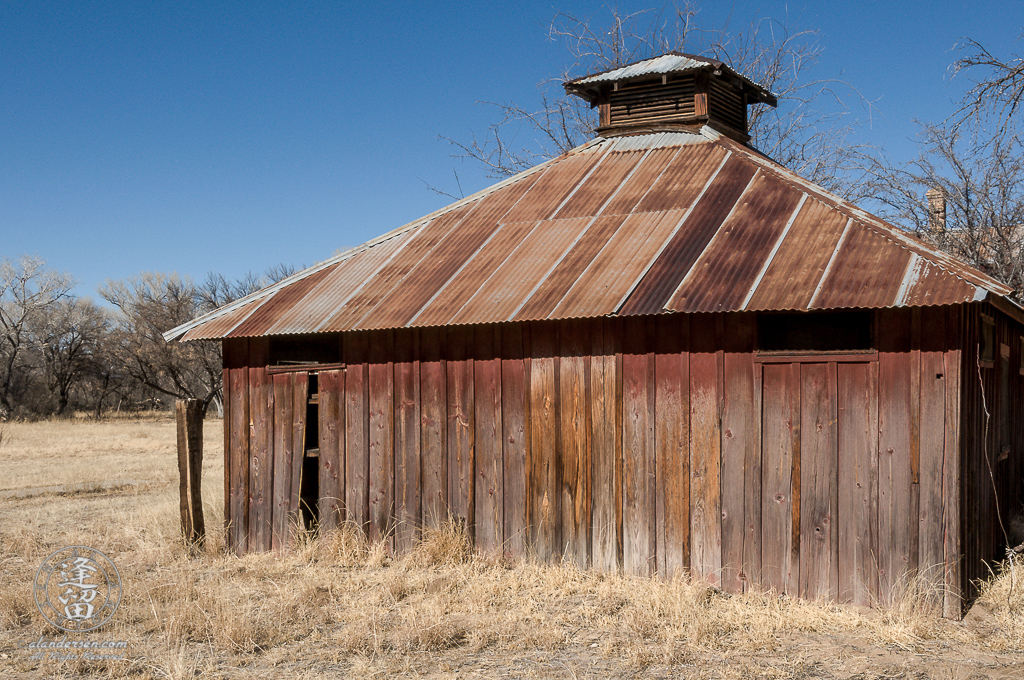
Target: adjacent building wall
{"type": "Point", "coordinates": [992, 441]}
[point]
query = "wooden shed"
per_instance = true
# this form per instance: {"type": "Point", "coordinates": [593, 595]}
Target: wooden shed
{"type": "Point", "coordinates": [659, 352]}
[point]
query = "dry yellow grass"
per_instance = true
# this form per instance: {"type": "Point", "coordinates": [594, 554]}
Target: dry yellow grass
{"type": "Point", "coordinates": [337, 606]}
{"type": "Point", "coordinates": [61, 452]}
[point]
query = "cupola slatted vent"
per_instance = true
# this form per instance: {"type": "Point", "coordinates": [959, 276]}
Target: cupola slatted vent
{"type": "Point", "coordinates": [728, 105]}
{"type": "Point", "coordinates": [671, 91]}
{"type": "Point", "coordinates": [651, 103]}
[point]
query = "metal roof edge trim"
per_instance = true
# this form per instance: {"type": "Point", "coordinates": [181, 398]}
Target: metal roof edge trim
{"type": "Point", "coordinates": [178, 331]}
{"type": "Point", "coordinates": [575, 84]}
{"type": "Point", "coordinates": [875, 223]}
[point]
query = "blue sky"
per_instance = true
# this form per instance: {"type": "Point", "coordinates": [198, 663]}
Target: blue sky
{"type": "Point", "coordinates": [227, 137]}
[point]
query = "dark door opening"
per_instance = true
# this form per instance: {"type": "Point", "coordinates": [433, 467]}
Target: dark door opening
{"type": "Point", "coordinates": [309, 484]}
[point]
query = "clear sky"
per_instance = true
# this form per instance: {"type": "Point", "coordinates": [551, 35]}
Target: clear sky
{"type": "Point", "coordinates": [227, 136]}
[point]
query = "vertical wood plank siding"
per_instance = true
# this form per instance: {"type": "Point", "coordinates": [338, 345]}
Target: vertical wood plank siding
{"type": "Point", "coordinates": [990, 480]}
{"type": "Point", "coordinates": [331, 428]}
{"type": "Point", "coordinates": [656, 444]}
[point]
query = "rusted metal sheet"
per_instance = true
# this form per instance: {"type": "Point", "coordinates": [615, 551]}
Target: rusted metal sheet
{"type": "Point", "coordinates": [650, 296]}
{"type": "Point", "coordinates": [426, 278]}
{"type": "Point", "coordinates": [509, 286]}
{"type": "Point", "coordinates": [259, 322]}
{"type": "Point", "coordinates": [800, 261]}
{"type": "Point", "coordinates": [450, 299]}
{"type": "Point", "coordinates": [553, 187]}
{"type": "Point", "coordinates": [222, 325]}
{"type": "Point", "coordinates": [635, 216]}
{"type": "Point", "coordinates": [729, 266]}
{"type": "Point", "coordinates": [601, 185]}
{"type": "Point", "coordinates": [447, 259]}
{"type": "Point", "coordinates": [932, 285]}
{"type": "Point", "coordinates": [683, 179]}
{"type": "Point", "coordinates": [345, 279]}
{"type": "Point", "coordinates": [866, 272]}
{"type": "Point", "coordinates": [421, 246]}
{"type": "Point", "coordinates": [575, 262]}
{"type": "Point", "coordinates": [610, 277]}
{"type": "Point", "coordinates": [897, 236]}
{"type": "Point", "coordinates": [640, 182]}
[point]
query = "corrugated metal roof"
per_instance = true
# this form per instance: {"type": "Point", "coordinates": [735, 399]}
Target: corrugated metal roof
{"type": "Point", "coordinates": [666, 63]}
{"type": "Point", "coordinates": [670, 62]}
{"type": "Point", "coordinates": [640, 225]}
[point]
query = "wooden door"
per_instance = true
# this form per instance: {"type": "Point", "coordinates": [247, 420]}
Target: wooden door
{"type": "Point", "coordinates": [819, 474]}
{"type": "Point", "coordinates": [288, 446]}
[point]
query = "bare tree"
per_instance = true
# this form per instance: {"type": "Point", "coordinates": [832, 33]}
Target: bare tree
{"type": "Point", "coordinates": [807, 133]}
{"type": "Point", "coordinates": [69, 337]}
{"type": "Point", "coordinates": [997, 89]}
{"type": "Point", "coordinates": [28, 291]}
{"type": "Point", "coordinates": [974, 161]}
{"type": "Point", "coordinates": [981, 183]}
{"type": "Point", "coordinates": [149, 304]}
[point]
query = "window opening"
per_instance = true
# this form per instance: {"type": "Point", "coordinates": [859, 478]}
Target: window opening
{"type": "Point", "coordinates": [987, 342]}
{"type": "Point", "coordinates": [815, 332]}
{"type": "Point", "coordinates": [296, 352]}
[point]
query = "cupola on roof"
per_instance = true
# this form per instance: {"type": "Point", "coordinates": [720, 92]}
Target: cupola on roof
{"type": "Point", "coordinates": [671, 91]}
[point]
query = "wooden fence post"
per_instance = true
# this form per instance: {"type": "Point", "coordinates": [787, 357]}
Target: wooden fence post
{"type": "Point", "coordinates": [189, 416]}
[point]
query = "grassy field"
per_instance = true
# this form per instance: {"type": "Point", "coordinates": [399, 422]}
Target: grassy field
{"type": "Point", "coordinates": [338, 607]}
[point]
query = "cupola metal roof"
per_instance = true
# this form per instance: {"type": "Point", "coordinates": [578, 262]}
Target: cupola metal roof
{"type": "Point", "coordinates": [676, 63]}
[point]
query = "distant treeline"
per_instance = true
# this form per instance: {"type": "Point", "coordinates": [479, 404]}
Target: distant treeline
{"type": "Point", "coordinates": [61, 353]}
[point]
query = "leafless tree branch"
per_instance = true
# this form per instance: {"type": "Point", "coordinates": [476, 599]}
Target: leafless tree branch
{"type": "Point", "coordinates": [808, 133]}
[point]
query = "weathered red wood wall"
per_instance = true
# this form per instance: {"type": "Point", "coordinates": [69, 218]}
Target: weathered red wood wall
{"type": "Point", "coordinates": [992, 483]}
{"type": "Point", "coordinates": [656, 445]}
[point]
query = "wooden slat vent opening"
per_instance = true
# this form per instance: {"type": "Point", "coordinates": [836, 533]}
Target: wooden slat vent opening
{"type": "Point", "coordinates": [653, 102]}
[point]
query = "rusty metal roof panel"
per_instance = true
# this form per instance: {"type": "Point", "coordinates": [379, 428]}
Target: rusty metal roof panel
{"type": "Point", "coordinates": [683, 179]}
{"type": "Point", "coordinates": [894, 234]}
{"type": "Point", "coordinates": [553, 187]}
{"type": "Point", "coordinates": [453, 296]}
{"type": "Point", "coordinates": [867, 272]}
{"type": "Point", "coordinates": [495, 206]}
{"type": "Point", "coordinates": [406, 299]}
{"type": "Point", "coordinates": [730, 265]}
{"type": "Point", "coordinates": [601, 185]}
{"type": "Point", "coordinates": [420, 246]}
{"type": "Point", "coordinates": [616, 269]}
{"type": "Point", "coordinates": [514, 281]}
{"type": "Point", "coordinates": [639, 183]}
{"type": "Point", "coordinates": [799, 263]}
{"type": "Point", "coordinates": [645, 224]}
{"type": "Point", "coordinates": [342, 282]}
{"type": "Point", "coordinates": [281, 302]}
{"type": "Point", "coordinates": [448, 257]}
{"type": "Point", "coordinates": [702, 223]}
{"type": "Point", "coordinates": [567, 272]}
{"type": "Point", "coordinates": [932, 285]}
{"type": "Point", "coordinates": [222, 325]}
